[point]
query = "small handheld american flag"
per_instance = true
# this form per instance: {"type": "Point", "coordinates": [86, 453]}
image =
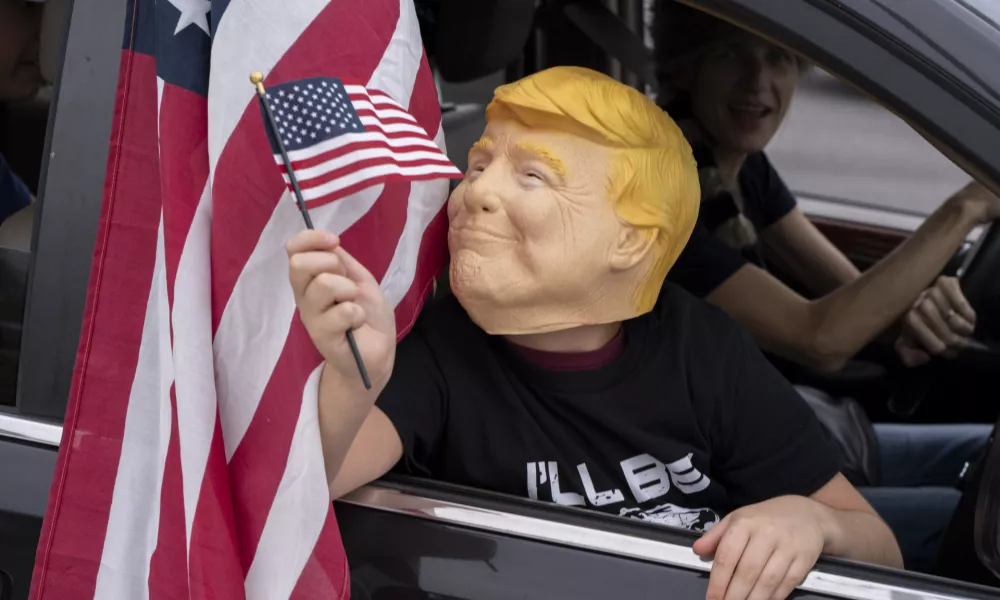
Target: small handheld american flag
{"type": "Point", "coordinates": [332, 140]}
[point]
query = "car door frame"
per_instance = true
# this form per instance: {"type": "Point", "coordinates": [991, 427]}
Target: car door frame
{"type": "Point", "coordinates": [70, 203]}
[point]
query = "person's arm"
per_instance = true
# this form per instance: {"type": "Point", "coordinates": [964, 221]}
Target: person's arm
{"type": "Point", "coordinates": [802, 250]}
{"type": "Point", "coordinates": [826, 332]}
{"type": "Point", "coordinates": [781, 468]}
{"type": "Point", "coordinates": [334, 293]}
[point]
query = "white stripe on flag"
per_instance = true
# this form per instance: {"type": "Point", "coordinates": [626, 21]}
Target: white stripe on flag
{"type": "Point", "coordinates": [255, 322]}
{"type": "Point", "coordinates": [247, 40]}
{"type": "Point", "coordinates": [355, 138]}
{"type": "Point", "coordinates": [426, 200]}
{"type": "Point", "coordinates": [366, 154]}
{"type": "Point", "coordinates": [398, 68]}
{"type": "Point", "coordinates": [195, 376]}
{"type": "Point", "coordinates": [362, 175]}
{"type": "Point", "coordinates": [376, 97]}
{"type": "Point", "coordinates": [383, 113]}
{"type": "Point", "coordinates": [134, 516]}
{"type": "Point", "coordinates": [394, 127]}
{"type": "Point", "coordinates": [300, 507]}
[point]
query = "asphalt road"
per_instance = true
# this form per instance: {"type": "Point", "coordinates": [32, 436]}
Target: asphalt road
{"type": "Point", "coordinates": [839, 144]}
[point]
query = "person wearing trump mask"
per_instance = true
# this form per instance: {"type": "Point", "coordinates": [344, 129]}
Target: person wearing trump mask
{"type": "Point", "coordinates": [559, 371]}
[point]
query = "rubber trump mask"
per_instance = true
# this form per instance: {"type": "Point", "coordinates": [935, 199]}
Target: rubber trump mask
{"type": "Point", "coordinates": [579, 197]}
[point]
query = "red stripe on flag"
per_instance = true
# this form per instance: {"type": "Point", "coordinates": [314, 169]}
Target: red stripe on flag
{"type": "Point", "coordinates": [432, 256]}
{"type": "Point", "coordinates": [367, 183]}
{"type": "Point", "coordinates": [77, 513]}
{"type": "Point", "coordinates": [357, 165]}
{"type": "Point", "coordinates": [250, 201]}
{"type": "Point", "coordinates": [214, 558]}
{"type": "Point", "coordinates": [259, 462]}
{"type": "Point", "coordinates": [326, 574]}
{"type": "Point", "coordinates": [183, 169]}
{"type": "Point", "coordinates": [168, 567]}
{"type": "Point", "coordinates": [319, 159]}
{"type": "Point", "coordinates": [433, 253]}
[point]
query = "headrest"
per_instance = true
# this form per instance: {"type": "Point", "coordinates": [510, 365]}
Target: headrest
{"type": "Point", "coordinates": [478, 37]}
{"type": "Point", "coordinates": [55, 17]}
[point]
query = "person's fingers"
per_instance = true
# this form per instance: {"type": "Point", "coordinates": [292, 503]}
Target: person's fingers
{"type": "Point", "coordinates": [727, 557]}
{"type": "Point", "coordinates": [705, 545]}
{"type": "Point", "coordinates": [909, 354]}
{"type": "Point", "coordinates": [951, 290]}
{"type": "Point", "coordinates": [326, 290]}
{"type": "Point", "coordinates": [771, 576]}
{"type": "Point", "coordinates": [311, 240]}
{"type": "Point", "coordinates": [756, 554]}
{"type": "Point", "coordinates": [796, 574]}
{"type": "Point", "coordinates": [923, 334]}
{"type": "Point", "coordinates": [304, 266]}
{"type": "Point", "coordinates": [935, 321]}
{"type": "Point", "coordinates": [338, 319]}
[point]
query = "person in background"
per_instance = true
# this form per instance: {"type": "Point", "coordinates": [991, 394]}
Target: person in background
{"type": "Point", "coordinates": [730, 91]}
{"type": "Point", "coordinates": [20, 79]}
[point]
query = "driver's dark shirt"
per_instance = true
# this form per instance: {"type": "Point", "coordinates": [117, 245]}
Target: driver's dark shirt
{"type": "Point", "coordinates": [707, 262]}
{"type": "Point", "coordinates": [677, 421]}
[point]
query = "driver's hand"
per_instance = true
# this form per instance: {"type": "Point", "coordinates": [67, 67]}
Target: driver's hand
{"type": "Point", "coordinates": [983, 204]}
{"type": "Point", "coordinates": [940, 323]}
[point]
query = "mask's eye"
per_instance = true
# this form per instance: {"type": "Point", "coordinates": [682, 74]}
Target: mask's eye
{"type": "Point", "coordinates": [535, 175]}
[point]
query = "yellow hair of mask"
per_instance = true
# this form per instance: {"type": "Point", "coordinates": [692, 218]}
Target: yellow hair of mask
{"type": "Point", "coordinates": [653, 182]}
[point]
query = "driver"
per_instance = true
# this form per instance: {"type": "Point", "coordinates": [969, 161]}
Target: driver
{"type": "Point", "coordinates": [558, 370]}
{"type": "Point", "coordinates": [730, 91]}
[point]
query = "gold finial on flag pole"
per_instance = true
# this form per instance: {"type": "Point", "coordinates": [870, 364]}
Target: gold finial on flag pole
{"type": "Point", "coordinates": [257, 79]}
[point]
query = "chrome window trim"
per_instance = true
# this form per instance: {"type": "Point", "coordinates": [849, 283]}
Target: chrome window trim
{"type": "Point", "coordinates": [392, 500]}
{"type": "Point", "coordinates": [30, 430]}
{"type": "Point", "coordinates": [387, 499]}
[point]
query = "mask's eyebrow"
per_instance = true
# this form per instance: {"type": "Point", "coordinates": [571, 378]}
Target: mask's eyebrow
{"type": "Point", "coordinates": [538, 152]}
{"type": "Point", "coordinates": [484, 143]}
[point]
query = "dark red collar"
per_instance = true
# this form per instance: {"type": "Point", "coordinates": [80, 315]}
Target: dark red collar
{"type": "Point", "coordinates": [576, 361]}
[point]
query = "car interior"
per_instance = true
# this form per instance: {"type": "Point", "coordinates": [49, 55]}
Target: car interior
{"type": "Point", "coordinates": [513, 38]}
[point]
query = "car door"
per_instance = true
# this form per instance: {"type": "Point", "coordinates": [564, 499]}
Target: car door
{"type": "Point", "coordinates": [411, 538]}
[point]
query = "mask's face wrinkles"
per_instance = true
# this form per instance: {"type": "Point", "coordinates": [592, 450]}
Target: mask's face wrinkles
{"type": "Point", "coordinates": [532, 225]}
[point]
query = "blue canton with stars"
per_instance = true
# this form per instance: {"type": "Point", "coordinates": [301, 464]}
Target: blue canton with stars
{"type": "Point", "coordinates": [311, 111]}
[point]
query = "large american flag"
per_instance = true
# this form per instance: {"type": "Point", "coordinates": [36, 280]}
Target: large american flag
{"type": "Point", "coordinates": [190, 465]}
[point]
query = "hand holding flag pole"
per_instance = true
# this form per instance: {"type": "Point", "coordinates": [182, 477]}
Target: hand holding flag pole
{"type": "Point", "coordinates": [257, 79]}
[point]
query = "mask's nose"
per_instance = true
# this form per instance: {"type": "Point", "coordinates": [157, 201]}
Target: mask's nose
{"type": "Point", "coordinates": [482, 194]}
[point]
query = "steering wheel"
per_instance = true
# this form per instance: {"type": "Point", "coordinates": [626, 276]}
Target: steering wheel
{"type": "Point", "coordinates": [979, 276]}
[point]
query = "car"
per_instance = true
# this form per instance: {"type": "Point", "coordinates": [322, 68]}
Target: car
{"type": "Point", "coordinates": [932, 63]}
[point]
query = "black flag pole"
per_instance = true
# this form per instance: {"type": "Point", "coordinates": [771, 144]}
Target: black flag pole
{"type": "Point", "coordinates": [257, 79]}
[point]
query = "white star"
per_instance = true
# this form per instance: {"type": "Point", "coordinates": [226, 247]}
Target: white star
{"type": "Point", "coordinates": [193, 12]}
{"type": "Point", "coordinates": [295, 87]}
{"type": "Point", "coordinates": [310, 86]}
{"type": "Point", "coordinates": [312, 135]}
{"type": "Point", "coordinates": [294, 128]}
{"type": "Point", "coordinates": [281, 92]}
{"type": "Point", "coordinates": [298, 139]}
{"type": "Point", "coordinates": [286, 142]}
{"type": "Point", "coordinates": [328, 130]}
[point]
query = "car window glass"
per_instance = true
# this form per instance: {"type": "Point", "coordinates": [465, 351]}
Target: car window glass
{"type": "Point", "coordinates": [838, 145]}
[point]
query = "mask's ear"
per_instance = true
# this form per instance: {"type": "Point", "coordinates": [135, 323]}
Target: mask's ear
{"type": "Point", "coordinates": [632, 246]}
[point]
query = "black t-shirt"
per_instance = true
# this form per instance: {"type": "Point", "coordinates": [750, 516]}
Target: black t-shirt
{"type": "Point", "coordinates": [706, 261]}
{"type": "Point", "coordinates": [688, 423]}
